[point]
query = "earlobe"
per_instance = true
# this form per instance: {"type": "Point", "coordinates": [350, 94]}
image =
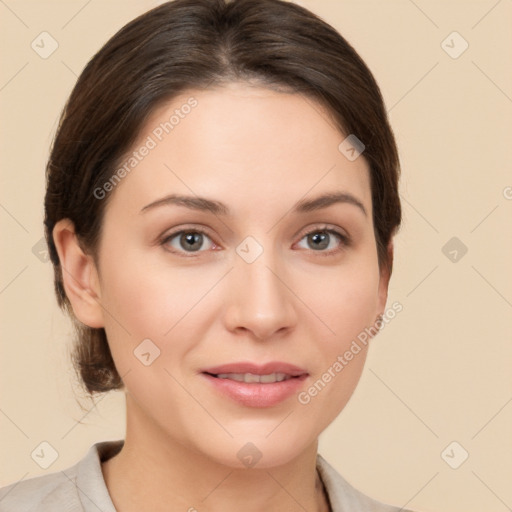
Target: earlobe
{"type": "Point", "coordinates": [79, 275]}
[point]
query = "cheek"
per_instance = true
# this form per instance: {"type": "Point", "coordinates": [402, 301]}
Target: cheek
{"type": "Point", "coordinates": [150, 295]}
{"type": "Point", "coordinates": [146, 299]}
{"type": "Point", "coordinates": [344, 300]}
{"type": "Point", "coordinates": [346, 304]}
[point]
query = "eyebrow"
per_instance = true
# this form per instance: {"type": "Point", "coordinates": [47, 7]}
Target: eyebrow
{"type": "Point", "coordinates": [218, 208]}
{"type": "Point", "coordinates": [326, 200]}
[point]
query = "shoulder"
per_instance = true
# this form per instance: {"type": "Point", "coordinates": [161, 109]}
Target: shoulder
{"type": "Point", "coordinates": [56, 491]}
{"type": "Point", "coordinates": [345, 498]}
{"type": "Point", "coordinates": [75, 489]}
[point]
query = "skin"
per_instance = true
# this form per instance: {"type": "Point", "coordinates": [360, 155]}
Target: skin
{"type": "Point", "coordinates": [259, 152]}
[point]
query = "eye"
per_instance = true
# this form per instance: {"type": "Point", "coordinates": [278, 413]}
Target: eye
{"type": "Point", "coordinates": [190, 240]}
{"type": "Point", "coordinates": [324, 240]}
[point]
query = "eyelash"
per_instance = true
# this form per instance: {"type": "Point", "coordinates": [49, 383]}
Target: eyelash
{"type": "Point", "coordinates": [344, 240]}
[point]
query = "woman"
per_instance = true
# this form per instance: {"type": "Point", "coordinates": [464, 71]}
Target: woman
{"type": "Point", "coordinates": [222, 195]}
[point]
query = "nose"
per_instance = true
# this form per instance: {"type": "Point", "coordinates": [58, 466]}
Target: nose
{"type": "Point", "coordinates": [260, 301]}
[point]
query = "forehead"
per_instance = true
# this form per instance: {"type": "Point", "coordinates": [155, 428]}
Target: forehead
{"type": "Point", "coordinates": [244, 145]}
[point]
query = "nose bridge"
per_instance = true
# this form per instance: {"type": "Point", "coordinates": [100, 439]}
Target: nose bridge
{"type": "Point", "coordinates": [260, 284]}
{"type": "Point", "coordinates": [260, 301]}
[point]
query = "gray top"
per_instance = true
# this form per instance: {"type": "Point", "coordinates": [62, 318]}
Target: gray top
{"type": "Point", "coordinates": [81, 488]}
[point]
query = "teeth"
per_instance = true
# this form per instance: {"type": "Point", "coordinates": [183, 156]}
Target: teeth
{"type": "Point", "coordinates": [251, 377]}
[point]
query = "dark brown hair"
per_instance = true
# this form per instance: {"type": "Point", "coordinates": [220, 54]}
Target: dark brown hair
{"type": "Point", "coordinates": [188, 44]}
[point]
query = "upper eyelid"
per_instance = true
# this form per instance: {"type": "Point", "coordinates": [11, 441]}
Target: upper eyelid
{"type": "Point", "coordinates": [302, 232]}
{"type": "Point", "coordinates": [323, 226]}
{"type": "Point", "coordinates": [196, 228]}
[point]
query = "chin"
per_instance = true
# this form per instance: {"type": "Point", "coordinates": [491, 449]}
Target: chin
{"type": "Point", "coordinates": [261, 451]}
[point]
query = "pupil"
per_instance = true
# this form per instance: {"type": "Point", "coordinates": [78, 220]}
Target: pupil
{"type": "Point", "coordinates": [320, 240]}
{"type": "Point", "coordinates": [192, 241]}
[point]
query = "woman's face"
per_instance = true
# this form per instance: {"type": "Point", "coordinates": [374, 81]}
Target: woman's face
{"type": "Point", "coordinates": [217, 250]}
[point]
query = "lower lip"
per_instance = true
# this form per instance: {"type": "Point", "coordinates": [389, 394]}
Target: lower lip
{"type": "Point", "coordinates": [256, 394]}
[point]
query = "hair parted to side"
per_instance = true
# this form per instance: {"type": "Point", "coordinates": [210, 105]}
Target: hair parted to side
{"type": "Point", "coordinates": [187, 44]}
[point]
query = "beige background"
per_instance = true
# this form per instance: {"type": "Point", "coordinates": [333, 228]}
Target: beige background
{"type": "Point", "coordinates": [439, 372]}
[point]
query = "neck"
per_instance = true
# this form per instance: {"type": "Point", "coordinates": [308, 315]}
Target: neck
{"type": "Point", "coordinates": [154, 472]}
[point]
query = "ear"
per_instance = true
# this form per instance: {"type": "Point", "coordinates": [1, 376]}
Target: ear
{"type": "Point", "coordinates": [79, 275]}
{"type": "Point", "coordinates": [385, 274]}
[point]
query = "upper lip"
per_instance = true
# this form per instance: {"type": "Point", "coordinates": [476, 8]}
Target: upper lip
{"type": "Point", "coordinates": [257, 369]}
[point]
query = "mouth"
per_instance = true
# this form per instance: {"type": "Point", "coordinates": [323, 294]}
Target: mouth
{"type": "Point", "coordinates": [256, 385]}
{"type": "Point", "coordinates": [249, 378]}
